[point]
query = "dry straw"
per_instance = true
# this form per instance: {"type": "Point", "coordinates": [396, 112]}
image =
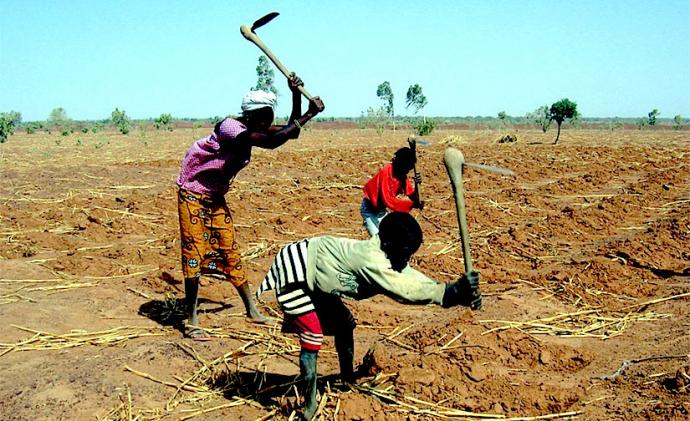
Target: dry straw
{"type": "Point", "coordinates": [595, 323]}
{"type": "Point", "coordinates": [51, 341]}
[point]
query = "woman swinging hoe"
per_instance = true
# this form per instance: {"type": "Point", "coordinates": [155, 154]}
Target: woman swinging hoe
{"type": "Point", "coordinates": [208, 169]}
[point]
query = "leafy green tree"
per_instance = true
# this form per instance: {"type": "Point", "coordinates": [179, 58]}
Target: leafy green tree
{"type": "Point", "coordinates": [677, 122]}
{"type": "Point", "coordinates": [265, 78]}
{"type": "Point", "coordinates": [415, 98]}
{"type": "Point", "coordinates": [58, 117]}
{"type": "Point", "coordinates": [502, 115]}
{"type": "Point", "coordinates": [541, 116]}
{"type": "Point", "coordinates": [562, 110]}
{"type": "Point", "coordinates": [8, 122]}
{"type": "Point", "coordinates": [651, 117]}
{"type": "Point", "coordinates": [163, 121]}
{"type": "Point", "coordinates": [385, 93]}
{"type": "Point", "coordinates": [120, 120]}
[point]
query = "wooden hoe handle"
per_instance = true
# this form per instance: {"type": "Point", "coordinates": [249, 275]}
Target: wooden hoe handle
{"type": "Point", "coordinates": [454, 160]}
{"type": "Point", "coordinates": [252, 37]}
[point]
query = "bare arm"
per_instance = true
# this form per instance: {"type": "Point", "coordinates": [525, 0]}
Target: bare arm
{"type": "Point", "coordinates": [278, 135]}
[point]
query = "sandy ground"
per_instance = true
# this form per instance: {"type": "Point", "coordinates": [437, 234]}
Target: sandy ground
{"type": "Point", "coordinates": [584, 258]}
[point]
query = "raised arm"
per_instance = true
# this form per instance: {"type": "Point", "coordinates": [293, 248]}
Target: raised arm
{"type": "Point", "coordinates": [277, 135]}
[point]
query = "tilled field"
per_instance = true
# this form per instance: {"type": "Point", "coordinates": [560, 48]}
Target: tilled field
{"type": "Point", "coordinates": [584, 257]}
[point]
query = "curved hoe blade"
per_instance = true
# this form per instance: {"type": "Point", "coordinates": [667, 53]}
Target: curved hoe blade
{"type": "Point", "coordinates": [264, 20]}
{"type": "Point", "coordinates": [503, 171]}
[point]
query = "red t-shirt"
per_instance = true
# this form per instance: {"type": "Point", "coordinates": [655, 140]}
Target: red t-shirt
{"type": "Point", "coordinates": [383, 189]}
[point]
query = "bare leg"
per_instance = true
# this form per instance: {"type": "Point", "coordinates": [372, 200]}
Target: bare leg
{"type": "Point", "coordinates": [191, 291]}
{"type": "Point", "coordinates": [252, 312]}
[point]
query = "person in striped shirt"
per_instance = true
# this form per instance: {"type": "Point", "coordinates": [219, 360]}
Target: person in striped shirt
{"type": "Point", "coordinates": [309, 278]}
{"type": "Point", "coordinates": [208, 169]}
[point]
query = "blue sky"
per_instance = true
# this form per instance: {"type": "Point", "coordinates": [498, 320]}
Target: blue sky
{"type": "Point", "coordinates": [187, 58]}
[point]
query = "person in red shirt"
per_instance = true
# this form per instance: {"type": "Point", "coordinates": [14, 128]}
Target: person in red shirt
{"type": "Point", "coordinates": [382, 191]}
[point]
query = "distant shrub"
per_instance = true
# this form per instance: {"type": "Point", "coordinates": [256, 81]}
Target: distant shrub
{"type": "Point", "coordinates": [8, 122]}
{"type": "Point", "coordinates": [615, 124]}
{"type": "Point", "coordinates": [121, 121]}
{"type": "Point", "coordinates": [84, 130]}
{"type": "Point", "coordinates": [65, 132]}
{"type": "Point", "coordinates": [374, 118]}
{"type": "Point", "coordinates": [163, 121]}
{"type": "Point", "coordinates": [58, 116]}
{"type": "Point", "coordinates": [678, 122]}
{"type": "Point", "coordinates": [541, 116]}
{"type": "Point", "coordinates": [651, 117]}
{"type": "Point", "coordinates": [508, 138]}
{"type": "Point", "coordinates": [424, 127]}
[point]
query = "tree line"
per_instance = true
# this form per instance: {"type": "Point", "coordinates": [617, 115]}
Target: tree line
{"type": "Point", "coordinates": [560, 111]}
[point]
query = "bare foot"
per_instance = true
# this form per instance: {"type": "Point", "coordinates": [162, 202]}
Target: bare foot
{"type": "Point", "coordinates": [197, 334]}
{"type": "Point", "coordinates": [257, 317]}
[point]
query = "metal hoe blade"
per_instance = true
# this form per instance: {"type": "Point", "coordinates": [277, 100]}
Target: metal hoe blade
{"type": "Point", "coordinates": [504, 171]}
{"type": "Point", "coordinates": [264, 20]}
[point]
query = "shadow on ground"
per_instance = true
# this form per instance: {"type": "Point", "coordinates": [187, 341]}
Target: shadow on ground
{"type": "Point", "coordinates": [270, 389]}
{"type": "Point", "coordinates": [171, 311]}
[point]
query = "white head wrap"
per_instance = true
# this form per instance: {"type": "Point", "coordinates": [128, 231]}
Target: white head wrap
{"type": "Point", "coordinates": [254, 100]}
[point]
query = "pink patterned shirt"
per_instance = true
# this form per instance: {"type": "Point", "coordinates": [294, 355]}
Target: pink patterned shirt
{"type": "Point", "coordinates": [209, 170]}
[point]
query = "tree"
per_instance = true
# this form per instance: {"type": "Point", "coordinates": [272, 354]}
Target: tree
{"type": "Point", "coordinates": [541, 117]}
{"type": "Point", "coordinates": [560, 111]}
{"type": "Point", "coordinates": [120, 120]}
{"type": "Point", "coordinates": [163, 121]}
{"type": "Point", "coordinates": [677, 122]}
{"type": "Point", "coordinates": [265, 77]}
{"type": "Point", "coordinates": [8, 122]}
{"type": "Point", "coordinates": [58, 116]}
{"type": "Point", "coordinates": [385, 93]}
{"type": "Point", "coordinates": [502, 115]}
{"type": "Point", "coordinates": [651, 117]}
{"type": "Point", "coordinates": [415, 98]}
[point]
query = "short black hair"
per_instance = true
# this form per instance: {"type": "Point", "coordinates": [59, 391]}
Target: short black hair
{"type": "Point", "coordinates": [402, 231]}
{"type": "Point", "coordinates": [405, 157]}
